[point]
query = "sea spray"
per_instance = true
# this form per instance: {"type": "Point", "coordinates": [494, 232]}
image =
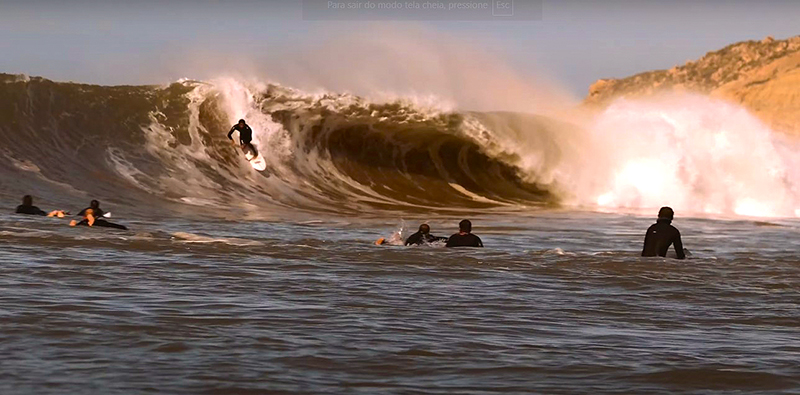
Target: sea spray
{"type": "Point", "coordinates": [695, 153]}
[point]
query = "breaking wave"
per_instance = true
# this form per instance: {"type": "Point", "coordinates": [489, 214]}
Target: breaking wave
{"type": "Point", "coordinates": [160, 149]}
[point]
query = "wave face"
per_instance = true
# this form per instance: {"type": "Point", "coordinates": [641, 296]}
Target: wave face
{"type": "Point", "coordinates": [324, 152]}
{"type": "Point", "coordinates": [160, 149]}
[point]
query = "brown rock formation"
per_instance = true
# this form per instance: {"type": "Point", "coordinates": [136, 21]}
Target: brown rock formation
{"type": "Point", "coordinates": [763, 76]}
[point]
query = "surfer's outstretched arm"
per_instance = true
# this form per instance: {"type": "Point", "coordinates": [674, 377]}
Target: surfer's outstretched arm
{"type": "Point", "coordinates": [230, 134]}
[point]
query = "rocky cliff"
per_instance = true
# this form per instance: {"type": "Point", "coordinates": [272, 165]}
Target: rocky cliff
{"type": "Point", "coordinates": [763, 76]}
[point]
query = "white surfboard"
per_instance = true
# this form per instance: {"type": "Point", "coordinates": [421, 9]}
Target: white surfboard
{"type": "Point", "coordinates": [257, 162]}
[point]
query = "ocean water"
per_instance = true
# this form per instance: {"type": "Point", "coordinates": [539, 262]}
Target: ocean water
{"type": "Point", "coordinates": [558, 302]}
{"type": "Point", "coordinates": [232, 281]}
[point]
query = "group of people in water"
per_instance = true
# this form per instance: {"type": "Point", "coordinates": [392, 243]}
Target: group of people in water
{"type": "Point", "coordinates": [464, 237]}
{"type": "Point", "coordinates": [657, 240]}
{"type": "Point", "coordinates": [94, 216]}
{"type": "Point", "coordinates": [91, 216]}
{"type": "Point", "coordinates": [659, 237]}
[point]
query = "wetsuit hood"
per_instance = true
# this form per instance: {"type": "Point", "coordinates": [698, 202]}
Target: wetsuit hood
{"type": "Point", "coordinates": [666, 213]}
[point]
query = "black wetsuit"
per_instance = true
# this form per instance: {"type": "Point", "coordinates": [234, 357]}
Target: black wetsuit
{"type": "Point", "coordinates": [659, 237]}
{"type": "Point", "coordinates": [245, 133]}
{"type": "Point", "coordinates": [32, 210]}
{"type": "Point", "coordinates": [245, 137]}
{"type": "Point", "coordinates": [101, 223]}
{"type": "Point", "coordinates": [98, 212]}
{"type": "Point", "coordinates": [465, 240]}
{"type": "Point", "coordinates": [422, 238]}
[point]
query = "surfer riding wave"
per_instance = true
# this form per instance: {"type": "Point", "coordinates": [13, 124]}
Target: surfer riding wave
{"type": "Point", "coordinates": [245, 137]}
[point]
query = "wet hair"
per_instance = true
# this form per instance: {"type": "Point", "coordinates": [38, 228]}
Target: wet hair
{"type": "Point", "coordinates": [94, 204]}
{"type": "Point", "coordinates": [242, 121]}
{"type": "Point", "coordinates": [666, 213]}
{"type": "Point", "coordinates": [465, 226]}
{"type": "Point", "coordinates": [27, 200]}
{"type": "Point", "coordinates": [425, 228]}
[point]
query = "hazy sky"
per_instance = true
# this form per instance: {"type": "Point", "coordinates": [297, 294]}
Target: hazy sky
{"type": "Point", "coordinates": [574, 43]}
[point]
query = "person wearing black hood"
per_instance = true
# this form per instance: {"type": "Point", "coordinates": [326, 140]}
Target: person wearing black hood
{"type": "Point", "coordinates": [464, 237]}
{"type": "Point", "coordinates": [94, 205]}
{"type": "Point", "coordinates": [423, 236]}
{"type": "Point", "coordinates": [27, 207]}
{"type": "Point", "coordinates": [661, 235]}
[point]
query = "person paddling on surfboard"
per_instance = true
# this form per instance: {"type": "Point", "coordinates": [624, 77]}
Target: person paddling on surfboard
{"type": "Point", "coordinates": [90, 220]}
{"type": "Point", "coordinates": [27, 207]}
{"type": "Point", "coordinates": [94, 205]}
{"type": "Point", "coordinates": [245, 136]}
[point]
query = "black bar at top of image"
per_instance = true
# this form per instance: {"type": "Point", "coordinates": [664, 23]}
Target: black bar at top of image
{"type": "Point", "coordinates": [422, 10]}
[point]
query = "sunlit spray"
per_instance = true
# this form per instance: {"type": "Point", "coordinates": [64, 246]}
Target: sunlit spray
{"type": "Point", "coordinates": [692, 152]}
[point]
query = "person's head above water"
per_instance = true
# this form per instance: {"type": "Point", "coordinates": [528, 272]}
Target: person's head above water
{"type": "Point", "coordinates": [94, 204]}
{"type": "Point", "coordinates": [666, 214]}
{"type": "Point", "coordinates": [27, 200]}
{"type": "Point", "coordinates": [424, 229]}
{"type": "Point", "coordinates": [465, 226]}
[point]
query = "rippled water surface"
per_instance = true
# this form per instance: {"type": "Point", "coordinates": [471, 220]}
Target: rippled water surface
{"type": "Point", "coordinates": [558, 302]}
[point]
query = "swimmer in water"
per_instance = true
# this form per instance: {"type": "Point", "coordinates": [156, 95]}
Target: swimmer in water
{"type": "Point", "coordinates": [464, 237]}
{"type": "Point", "coordinates": [661, 235]}
{"type": "Point", "coordinates": [423, 236]}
